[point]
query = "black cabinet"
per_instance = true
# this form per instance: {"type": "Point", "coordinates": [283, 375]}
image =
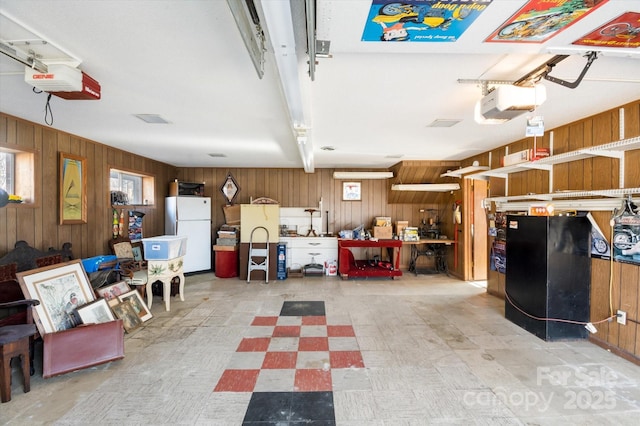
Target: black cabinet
{"type": "Point", "coordinates": [548, 275]}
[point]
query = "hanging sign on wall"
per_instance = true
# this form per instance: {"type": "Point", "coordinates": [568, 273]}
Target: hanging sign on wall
{"type": "Point", "coordinates": [626, 234]}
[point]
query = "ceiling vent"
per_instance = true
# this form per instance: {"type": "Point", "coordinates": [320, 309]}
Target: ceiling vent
{"type": "Point", "coordinates": [507, 102]}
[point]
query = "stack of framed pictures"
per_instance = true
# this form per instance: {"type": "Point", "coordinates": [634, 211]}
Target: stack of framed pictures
{"type": "Point", "coordinates": [69, 316]}
{"type": "Point", "coordinates": [67, 299]}
{"type": "Point", "coordinates": [126, 304]}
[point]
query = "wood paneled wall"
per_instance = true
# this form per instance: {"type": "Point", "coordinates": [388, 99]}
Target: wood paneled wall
{"type": "Point", "coordinates": [591, 173]}
{"type": "Point", "coordinates": [38, 223]}
{"type": "Point", "coordinates": [295, 188]}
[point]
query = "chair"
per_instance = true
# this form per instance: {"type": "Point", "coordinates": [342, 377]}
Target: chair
{"type": "Point", "coordinates": [48, 260]}
{"type": "Point", "coordinates": [14, 313]}
{"type": "Point", "coordinates": [133, 268]}
{"type": "Point", "coordinates": [15, 341]}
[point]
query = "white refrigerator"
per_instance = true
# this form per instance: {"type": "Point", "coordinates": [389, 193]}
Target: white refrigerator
{"type": "Point", "coordinates": [190, 217]}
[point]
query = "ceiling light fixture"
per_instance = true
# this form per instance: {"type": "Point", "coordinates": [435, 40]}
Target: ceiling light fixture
{"type": "Point", "coordinates": [305, 148]}
{"type": "Point", "coordinates": [426, 187]}
{"type": "Point", "coordinates": [362, 175]}
{"type": "Point", "coordinates": [279, 27]}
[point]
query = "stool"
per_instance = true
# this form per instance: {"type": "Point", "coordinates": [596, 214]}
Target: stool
{"type": "Point", "coordinates": [14, 342]}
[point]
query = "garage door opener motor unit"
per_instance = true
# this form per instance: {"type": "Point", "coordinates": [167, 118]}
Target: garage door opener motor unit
{"type": "Point", "coordinates": [64, 81]}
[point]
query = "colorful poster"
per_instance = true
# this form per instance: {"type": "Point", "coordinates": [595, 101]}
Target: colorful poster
{"type": "Point", "coordinates": [626, 237]}
{"type": "Point", "coordinates": [499, 257]}
{"type": "Point", "coordinates": [539, 20]}
{"type": "Point", "coordinates": [623, 31]}
{"type": "Point", "coordinates": [421, 20]}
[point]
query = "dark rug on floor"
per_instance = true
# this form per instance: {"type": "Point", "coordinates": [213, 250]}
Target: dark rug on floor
{"type": "Point", "coordinates": [290, 408]}
{"type": "Point", "coordinates": [301, 309]}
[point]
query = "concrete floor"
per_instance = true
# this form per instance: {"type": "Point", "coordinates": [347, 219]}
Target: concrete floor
{"type": "Point", "coordinates": [435, 351]}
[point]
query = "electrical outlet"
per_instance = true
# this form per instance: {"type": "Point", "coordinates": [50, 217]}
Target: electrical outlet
{"type": "Point", "coordinates": [621, 317]}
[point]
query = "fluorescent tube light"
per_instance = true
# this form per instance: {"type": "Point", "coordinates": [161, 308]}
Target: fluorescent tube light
{"type": "Point", "coordinates": [362, 175]}
{"type": "Point", "coordinates": [305, 149]}
{"type": "Point", "coordinates": [426, 187]}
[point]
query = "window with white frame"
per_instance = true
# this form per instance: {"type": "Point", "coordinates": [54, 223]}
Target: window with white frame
{"type": "Point", "coordinates": [7, 171]}
{"type": "Point", "coordinates": [130, 188]}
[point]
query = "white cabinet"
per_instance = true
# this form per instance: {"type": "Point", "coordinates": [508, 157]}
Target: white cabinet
{"type": "Point", "coordinates": [305, 250]}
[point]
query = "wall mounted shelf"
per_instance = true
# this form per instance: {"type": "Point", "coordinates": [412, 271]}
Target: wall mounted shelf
{"type": "Point", "coordinates": [464, 171]}
{"type": "Point", "coordinates": [609, 150]}
{"type": "Point", "coordinates": [602, 200]}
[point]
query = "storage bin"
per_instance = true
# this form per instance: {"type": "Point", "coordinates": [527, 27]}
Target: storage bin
{"type": "Point", "coordinates": [92, 264]}
{"type": "Point", "coordinates": [164, 247]}
{"type": "Point", "coordinates": [226, 261]}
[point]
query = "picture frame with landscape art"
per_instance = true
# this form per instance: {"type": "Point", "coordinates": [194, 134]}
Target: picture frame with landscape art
{"type": "Point", "coordinates": [96, 312]}
{"type": "Point", "coordinates": [138, 304]}
{"type": "Point", "coordinates": [61, 289]}
{"type": "Point", "coordinates": [73, 189]}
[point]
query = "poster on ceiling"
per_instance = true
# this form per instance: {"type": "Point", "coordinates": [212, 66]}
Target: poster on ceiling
{"type": "Point", "coordinates": [539, 20]}
{"type": "Point", "coordinates": [421, 20]}
{"type": "Point", "coordinates": [623, 31]}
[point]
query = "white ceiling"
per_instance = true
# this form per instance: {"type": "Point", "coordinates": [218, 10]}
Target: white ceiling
{"type": "Point", "coordinates": [372, 101]}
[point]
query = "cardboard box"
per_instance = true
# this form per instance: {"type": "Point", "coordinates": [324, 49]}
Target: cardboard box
{"type": "Point", "coordinates": [539, 153]}
{"type": "Point", "coordinates": [225, 248]}
{"type": "Point", "coordinates": [524, 156]}
{"type": "Point", "coordinates": [383, 232]}
{"type": "Point", "coordinates": [515, 158]}
{"type": "Point", "coordinates": [382, 221]}
{"type": "Point", "coordinates": [400, 226]}
{"type": "Point", "coordinates": [232, 214]}
{"type": "Point", "coordinates": [164, 247]}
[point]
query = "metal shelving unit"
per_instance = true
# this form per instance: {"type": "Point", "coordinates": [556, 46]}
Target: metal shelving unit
{"type": "Point", "coordinates": [569, 199]}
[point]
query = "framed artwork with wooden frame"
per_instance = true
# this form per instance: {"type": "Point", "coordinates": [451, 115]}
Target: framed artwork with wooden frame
{"type": "Point", "coordinates": [112, 291]}
{"type": "Point", "coordinates": [96, 312]}
{"type": "Point", "coordinates": [351, 191]}
{"type": "Point", "coordinates": [126, 312]}
{"type": "Point", "coordinates": [73, 189]}
{"type": "Point", "coordinates": [61, 289]}
{"type": "Point", "coordinates": [138, 304]}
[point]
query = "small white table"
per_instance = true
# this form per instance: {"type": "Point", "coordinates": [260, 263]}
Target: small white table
{"type": "Point", "coordinates": [165, 271]}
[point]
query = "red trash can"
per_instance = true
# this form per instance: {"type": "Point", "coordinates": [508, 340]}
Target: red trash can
{"type": "Point", "coordinates": [226, 261]}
